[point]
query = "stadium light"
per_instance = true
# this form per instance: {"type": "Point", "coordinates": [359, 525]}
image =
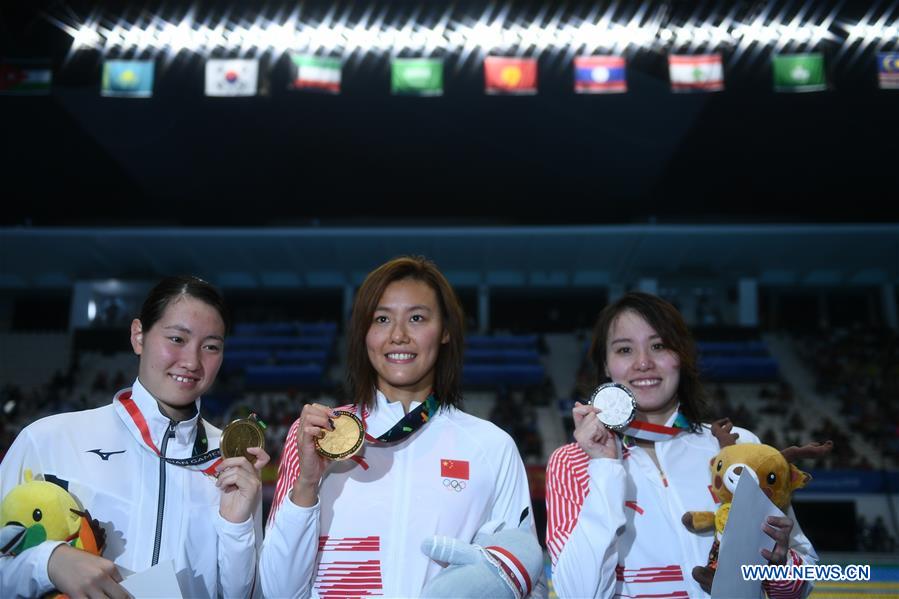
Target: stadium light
{"type": "Point", "coordinates": [495, 30]}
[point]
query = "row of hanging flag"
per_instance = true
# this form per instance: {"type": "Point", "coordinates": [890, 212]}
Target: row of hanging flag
{"type": "Point", "coordinates": [424, 76]}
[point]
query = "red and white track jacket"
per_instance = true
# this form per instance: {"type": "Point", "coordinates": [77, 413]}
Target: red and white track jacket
{"type": "Point", "coordinates": [457, 476]}
{"type": "Point", "coordinates": [614, 525]}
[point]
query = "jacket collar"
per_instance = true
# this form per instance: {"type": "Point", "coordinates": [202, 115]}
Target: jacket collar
{"type": "Point", "coordinates": [385, 414]}
{"type": "Point", "coordinates": [157, 423]}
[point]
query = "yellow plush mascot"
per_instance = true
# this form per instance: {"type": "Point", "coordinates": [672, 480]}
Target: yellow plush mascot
{"type": "Point", "coordinates": [38, 511]}
{"type": "Point", "coordinates": [772, 469]}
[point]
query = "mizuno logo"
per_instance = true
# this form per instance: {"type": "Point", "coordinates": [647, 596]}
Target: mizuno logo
{"type": "Point", "coordinates": [104, 455]}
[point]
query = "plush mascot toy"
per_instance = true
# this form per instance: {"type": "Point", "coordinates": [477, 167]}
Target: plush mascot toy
{"type": "Point", "coordinates": [38, 511]}
{"type": "Point", "coordinates": [771, 469]}
{"type": "Point", "coordinates": [502, 565]}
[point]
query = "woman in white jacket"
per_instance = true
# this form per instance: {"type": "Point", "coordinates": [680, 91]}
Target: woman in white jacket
{"type": "Point", "coordinates": [614, 503]}
{"type": "Point", "coordinates": [146, 467]}
{"type": "Point", "coordinates": [355, 528]}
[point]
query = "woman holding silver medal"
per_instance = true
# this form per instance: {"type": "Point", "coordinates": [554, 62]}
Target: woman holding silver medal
{"type": "Point", "coordinates": [640, 460]}
{"type": "Point", "coordinates": [147, 469]}
{"type": "Point", "coordinates": [362, 487]}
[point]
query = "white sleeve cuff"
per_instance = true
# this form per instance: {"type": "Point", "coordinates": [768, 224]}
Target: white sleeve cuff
{"type": "Point", "coordinates": [233, 529]}
{"type": "Point", "coordinates": [604, 468]}
{"type": "Point", "coordinates": [40, 557]}
{"type": "Point", "coordinates": [297, 513]}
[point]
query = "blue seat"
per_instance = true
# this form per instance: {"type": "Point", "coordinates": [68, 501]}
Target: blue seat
{"type": "Point", "coordinates": [301, 356]}
{"type": "Point", "coordinates": [317, 329]}
{"type": "Point", "coordinates": [502, 356]}
{"type": "Point", "coordinates": [739, 368]}
{"type": "Point", "coordinates": [238, 359]}
{"type": "Point", "coordinates": [284, 376]}
{"type": "Point", "coordinates": [489, 375]}
{"type": "Point", "coordinates": [502, 341]}
{"type": "Point", "coordinates": [279, 342]}
{"type": "Point", "coordinates": [734, 348]}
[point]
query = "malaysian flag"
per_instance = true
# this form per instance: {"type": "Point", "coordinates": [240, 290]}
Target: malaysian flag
{"type": "Point", "coordinates": [888, 70]}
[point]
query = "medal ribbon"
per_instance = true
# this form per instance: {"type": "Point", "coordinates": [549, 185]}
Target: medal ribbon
{"type": "Point", "coordinates": [647, 431]}
{"type": "Point", "coordinates": [195, 462]}
{"type": "Point", "coordinates": [408, 424]}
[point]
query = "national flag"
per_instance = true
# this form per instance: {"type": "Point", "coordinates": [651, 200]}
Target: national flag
{"type": "Point", "coordinates": [128, 78]}
{"type": "Point", "coordinates": [232, 76]}
{"type": "Point", "coordinates": [599, 74]}
{"type": "Point", "coordinates": [417, 76]}
{"type": "Point", "coordinates": [25, 78]}
{"type": "Point", "coordinates": [888, 70]}
{"type": "Point", "coordinates": [505, 75]}
{"type": "Point", "coordinates": [696, 72]}
{"type": "Point", "coordinates": [454, 469]}
{"type": "Point", "coordinates": [799, 72]}
{"type": "Point", "coordinates": [315, 72]}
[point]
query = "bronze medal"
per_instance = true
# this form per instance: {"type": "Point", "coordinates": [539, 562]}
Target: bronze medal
{"type": "Point", "coordinates": [346, 438]}
{"type": "Point", "coordinates": [239, 436]}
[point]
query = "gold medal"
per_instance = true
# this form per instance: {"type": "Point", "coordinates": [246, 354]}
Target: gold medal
{"type": "Point", "coordinates": [346, 438]}
{"type": "Point", "coordinates": [239, 436]}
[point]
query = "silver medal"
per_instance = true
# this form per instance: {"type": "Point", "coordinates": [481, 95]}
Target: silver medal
{"type": "Point", "coordinates": [617, 404]}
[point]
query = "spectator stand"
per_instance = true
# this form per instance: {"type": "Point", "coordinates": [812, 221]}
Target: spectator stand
{"type": "Point", "coordinates": [281, 355]}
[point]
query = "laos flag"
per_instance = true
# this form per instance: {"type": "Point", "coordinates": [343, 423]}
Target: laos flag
{"type": "Point", "coordinates": [599, 75]}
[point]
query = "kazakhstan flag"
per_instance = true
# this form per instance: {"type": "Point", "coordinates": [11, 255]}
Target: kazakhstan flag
{"type": "Point", "coordinates": [128, 78]}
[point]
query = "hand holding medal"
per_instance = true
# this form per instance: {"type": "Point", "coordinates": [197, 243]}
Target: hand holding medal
{"type": "Point", "coordinates": [316, 421]}
{"type": "Point", "coordinates": [239, 478]}
{"type": "Point", "coordinates": [617, 405]}
{"type": "Point", "coordinates": [345, 440]}
{"type": "Point", "coordinates": [240, 435]}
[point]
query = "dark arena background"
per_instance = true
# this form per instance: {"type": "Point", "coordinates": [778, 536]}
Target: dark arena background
{"type": "Point", "coordinates": [769, 214]}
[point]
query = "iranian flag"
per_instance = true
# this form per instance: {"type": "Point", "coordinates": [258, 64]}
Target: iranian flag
{"type": "Point", "coordinates": [315, 72]}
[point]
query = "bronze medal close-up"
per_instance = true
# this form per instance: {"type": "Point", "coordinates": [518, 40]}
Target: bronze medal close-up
{"type": "Point", "coordinates": [346, 438]}
{"type": "Point", "coordinates": [239, 436]}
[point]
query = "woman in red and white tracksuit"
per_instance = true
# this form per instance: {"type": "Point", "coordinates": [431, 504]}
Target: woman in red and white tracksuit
{"type": "Point", "coordinates": [355, 528]}
{"type": "Point", "coordinates": [614, 503]}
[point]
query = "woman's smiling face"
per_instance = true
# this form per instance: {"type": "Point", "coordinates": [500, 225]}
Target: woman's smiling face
{"type": "Point", "coordinates": [180, 354]}
{"type": "Point", "coordinates": [404, 338]}
{"type": "Point", "coordinates": [636, 357]}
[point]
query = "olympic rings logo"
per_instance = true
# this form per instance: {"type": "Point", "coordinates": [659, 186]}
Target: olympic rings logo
{"type": "Point", "coordinates": [455, 485]}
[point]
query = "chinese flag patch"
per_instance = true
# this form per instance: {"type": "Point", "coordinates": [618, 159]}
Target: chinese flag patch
{"type": "Point", "coordinates": [454, 469]}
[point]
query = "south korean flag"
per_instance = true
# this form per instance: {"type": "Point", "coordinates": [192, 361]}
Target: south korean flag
{"type": "Point", "coordinates": [232, 77]}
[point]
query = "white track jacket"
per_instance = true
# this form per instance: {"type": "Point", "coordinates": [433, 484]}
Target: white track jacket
{"type": "Point", "coordinates": [614, 526]}
{"type": "Point", "coordinates": [112, 472]}
{"type": "Point", "coordinates": [457, 476]}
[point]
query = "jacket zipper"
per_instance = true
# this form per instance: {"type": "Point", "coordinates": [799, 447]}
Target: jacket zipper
{"type": "Point", "coordinates": [169, 433]}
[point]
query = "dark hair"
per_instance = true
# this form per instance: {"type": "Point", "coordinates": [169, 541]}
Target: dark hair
{"type": "Point", "coordinates": [173, 288]}
{"type": "Point", "coordinates": [361, 375]}
{"type": "Point", "coordinates": [665, 319]}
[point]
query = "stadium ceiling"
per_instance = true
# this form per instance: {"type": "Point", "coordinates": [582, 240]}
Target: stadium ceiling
{"type": "Point", "coordinates": [510, 257]}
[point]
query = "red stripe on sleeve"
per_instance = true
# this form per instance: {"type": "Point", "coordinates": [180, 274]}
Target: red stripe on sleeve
{"type": "Point", "coordinates": [566, 488]}
{"type": "Point", "coordinates": [288, 470]}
